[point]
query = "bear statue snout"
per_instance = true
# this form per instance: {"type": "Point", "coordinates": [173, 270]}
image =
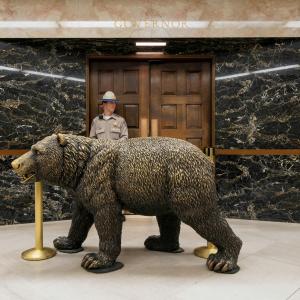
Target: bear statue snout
{"type": "Point", "coordinates": [24, 166]}
{"type": "Point", "coordinates": [16, 164]}
{"type": "Point", "coordinates": [19, 163]}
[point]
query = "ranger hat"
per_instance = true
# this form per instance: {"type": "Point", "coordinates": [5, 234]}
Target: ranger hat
{"type": "Point", "coordinates": [109, 96]}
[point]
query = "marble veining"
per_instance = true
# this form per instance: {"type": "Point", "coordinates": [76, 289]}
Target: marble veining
{"type": "Point", "coordinates": [17, 200]}
{"type": "Point", "coordinates": [265, 187]}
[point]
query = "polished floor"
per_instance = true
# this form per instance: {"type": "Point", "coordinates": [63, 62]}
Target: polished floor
{"type": "Point", "coordinates": [269, 261]}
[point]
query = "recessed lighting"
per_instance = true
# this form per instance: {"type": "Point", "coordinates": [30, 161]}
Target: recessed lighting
{"type": "Point", "coordinates": [150, 44]}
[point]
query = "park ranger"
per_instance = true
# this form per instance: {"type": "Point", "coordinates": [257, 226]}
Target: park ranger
{"type": "Point", "coordinates": [109, 125]}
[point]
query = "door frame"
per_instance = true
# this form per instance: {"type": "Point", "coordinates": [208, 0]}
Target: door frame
{"type": "Point", "coordinates": [147, 57]}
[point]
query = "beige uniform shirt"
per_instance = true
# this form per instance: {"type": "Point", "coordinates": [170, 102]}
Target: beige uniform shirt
{"type": "Point", "coordinates": [115, 128]}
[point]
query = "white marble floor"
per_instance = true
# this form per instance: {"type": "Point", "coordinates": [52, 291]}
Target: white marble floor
{"type": "Point", "coordinates": [269, 261]}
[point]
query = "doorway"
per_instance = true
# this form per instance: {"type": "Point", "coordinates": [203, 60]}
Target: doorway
{"type": "Point", "coordinates": [160, 95]}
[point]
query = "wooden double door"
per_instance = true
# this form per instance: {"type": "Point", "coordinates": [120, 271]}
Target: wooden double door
{"type": "Point", "coordinates": [158, 97]}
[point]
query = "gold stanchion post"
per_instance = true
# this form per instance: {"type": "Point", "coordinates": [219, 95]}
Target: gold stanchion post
{"type": "Point", "coordinates": [205, 251]}
{"type": "Point", "coordinates": [39, 252]}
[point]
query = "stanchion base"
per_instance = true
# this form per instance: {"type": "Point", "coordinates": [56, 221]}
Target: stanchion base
{"type": "Point", "coordinates": [38, 254]}
{"type": "Point", "coordinates": [204, 251]}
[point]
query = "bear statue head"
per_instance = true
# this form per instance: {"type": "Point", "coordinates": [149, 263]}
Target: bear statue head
{"type": "Point", "coordinates": [45, 161]}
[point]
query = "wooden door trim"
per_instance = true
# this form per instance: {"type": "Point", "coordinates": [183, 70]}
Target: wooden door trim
{"type": "Point", "coordinates": [13, 151]}
{"type": "Point", "coordinates": [213, 101]}
{"type": "Point", "coordinates": [149, 57]}
{"type": "Point", "coordinates": [87, 96]}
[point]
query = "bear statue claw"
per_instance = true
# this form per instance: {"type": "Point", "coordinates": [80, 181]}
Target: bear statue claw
{"type": "Point", "coordinates": [220, 264]}
{"type": "Point", "coordinates": [91, 263]}
{"type": "Point", "coordinates": [65, 245]}
{"type": "Point", "coordinates": [154, 243]}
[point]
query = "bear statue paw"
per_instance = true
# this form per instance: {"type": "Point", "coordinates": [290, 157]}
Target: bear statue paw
{"type": "Point", "coordinates": [222, 263]}
{"type": "Point", "coordinates": [154, 243]}
{"type": "Point", "coordinates": [92, 263]}
{"type": "Point", "coordinates": [66, 245]}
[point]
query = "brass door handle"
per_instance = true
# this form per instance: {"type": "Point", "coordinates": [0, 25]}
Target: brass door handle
{"type": "Point", "coordinates": [144, 127]}
{"type": "Point", "coordinates": [154, 127]}
{"type": "Point", "coordinates": [210, 152]}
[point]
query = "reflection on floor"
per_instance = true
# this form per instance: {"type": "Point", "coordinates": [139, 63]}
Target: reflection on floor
{"type": "Point", "coordinates": [269, 261]}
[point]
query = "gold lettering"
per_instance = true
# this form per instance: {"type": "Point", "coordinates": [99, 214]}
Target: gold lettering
{"type": "Point", "coordinates": [184, 25]}
{"type": "Point", "coordinates": [136, 24]}
{"type": "Point", "coordinates": [117, 24]}
{"type": "Point", "coordinates": [165, 24]}
{"type": "Point", "coordinates": [150, 24]}
{"type": "Point", "coordinates": [175, 24]}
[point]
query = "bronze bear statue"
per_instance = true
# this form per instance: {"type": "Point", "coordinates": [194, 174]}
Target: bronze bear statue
{"type": "Point", "coordinates": [155, 176]}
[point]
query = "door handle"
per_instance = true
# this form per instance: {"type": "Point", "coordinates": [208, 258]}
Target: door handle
{"type": "Point", "coordinates": [154, 127]}
{"type": "Point", "coordinates": [144, 127]}
{"type": "Point", "coordinates": [210, 153]}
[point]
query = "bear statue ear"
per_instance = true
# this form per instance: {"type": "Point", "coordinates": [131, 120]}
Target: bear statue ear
{"type": "Point", "coordinates": [61, 139]}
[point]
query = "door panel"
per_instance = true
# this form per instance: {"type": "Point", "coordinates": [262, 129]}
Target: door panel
{"type": "Point", "coordinates": [180, 101]}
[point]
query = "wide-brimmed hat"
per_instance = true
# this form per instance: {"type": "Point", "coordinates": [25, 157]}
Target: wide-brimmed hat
{"type": "Point", "coordinates": [109, 96]}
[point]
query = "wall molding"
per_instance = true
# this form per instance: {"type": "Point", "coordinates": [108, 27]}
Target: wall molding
{"type": "Point", "coordinates": [13, 151]}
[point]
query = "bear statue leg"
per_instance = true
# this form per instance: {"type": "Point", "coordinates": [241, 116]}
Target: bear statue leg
{"type": "Point", "coordinates": [215, 229]}
{"type": "Point", "coordinates": [108, 222]}
{"type": "Point", "coordinates": [168, 240]}
{"type": "Point", "coordinates": [82, 221]}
